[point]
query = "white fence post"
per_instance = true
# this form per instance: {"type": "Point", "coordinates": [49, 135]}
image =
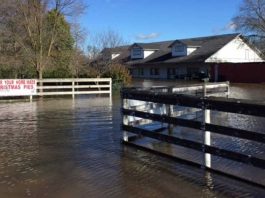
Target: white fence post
{"type": "Point", "coordinates": [228, 88]}
{"type": "Point", "coordinates": [207, 138]}
{"type": "Point", "coordinates": [40, 87]}
{"type": "Point", "coordinates": [207, 134]}
{"type": "Point", "coordinates": [125, 105]}
{"type": "Point", "coordinates": [110, 88]}
{"type": "Point", "coordinates": [73, 89]}
{"type": "Point", "coordinates": [169, 109]}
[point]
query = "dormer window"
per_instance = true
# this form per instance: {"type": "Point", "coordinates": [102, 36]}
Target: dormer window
{"type": "Point", "coordinates": [137, 52]}
{"type": "Point", "coordinates": [179, 48]}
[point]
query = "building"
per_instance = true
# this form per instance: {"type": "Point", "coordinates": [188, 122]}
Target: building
{"type": "Point", "coordinates": [185, 58]}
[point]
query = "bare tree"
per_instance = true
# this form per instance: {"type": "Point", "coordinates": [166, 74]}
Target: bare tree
{"type": "Point", "coordinates": [78, 57]}
{"type": "Point", "coordinates": [100, 62]}
{"type": "Point", "coordinates": [25, 21]}
{"type": "Point", "coordinates": [99, 49]}
{"type": "Point", "coordinates": [251, 20]}
{"type": "Point", "coordinates": [103, 40]}
{"type": "Point", "coordinates": [108, 39]}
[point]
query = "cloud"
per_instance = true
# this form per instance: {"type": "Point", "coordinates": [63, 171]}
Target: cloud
{"type": "Point", "coordinates": [231, 26]}
{"type": "Point", "coordinates": [147, 36]}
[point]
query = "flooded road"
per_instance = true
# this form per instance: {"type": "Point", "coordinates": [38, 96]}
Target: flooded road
{"type": "Point", "coordinates": [71, 148]}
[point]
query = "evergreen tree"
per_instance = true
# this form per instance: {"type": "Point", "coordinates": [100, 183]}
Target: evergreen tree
{"type": "Point", "coordinates": [63, 47]}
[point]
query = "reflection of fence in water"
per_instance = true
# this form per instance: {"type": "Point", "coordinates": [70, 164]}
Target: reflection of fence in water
{"type": "Point", "coordinates": [152, 120]}
{"type": "Point", "coordinates": [213, 89]}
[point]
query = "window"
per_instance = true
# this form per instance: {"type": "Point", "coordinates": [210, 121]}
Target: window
{"type": "Point", "coordinates": [137, 52]}
{"type": "Point", "coordinates": [171, 71]}
{"type": "Point", "coordinates": [179, 48]}
{"type": "Point", "coordinates": [140, 71]}
{"type": "Point", "coordinates": [131, 71]}
{"type": "Point", "coordinates": [154, 71]}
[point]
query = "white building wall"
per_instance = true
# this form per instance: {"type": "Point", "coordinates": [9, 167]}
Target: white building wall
{"type": "Point", "coordinates": [236, 51]}
{"type": "Point", "coordinates": [190, 50]}
{"type": "Point", "coordinates": [114, 56]}
{"type": "Point", "coordinates": [148, 53]}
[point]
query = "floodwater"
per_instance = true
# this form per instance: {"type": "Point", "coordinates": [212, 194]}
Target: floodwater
{"type": "Point", "coordinates": [59, 147]}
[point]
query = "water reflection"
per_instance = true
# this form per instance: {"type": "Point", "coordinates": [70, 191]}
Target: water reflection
{"type": "Point", "coordinates": [18, 143]}
{"type": "Point", "coordinates": [248, 91]}
{"type": "Point", "coordinates": [71, 148]}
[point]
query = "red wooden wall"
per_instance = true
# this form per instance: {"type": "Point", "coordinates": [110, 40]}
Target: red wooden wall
{"type": "Point", "coordinates": [240, 72]}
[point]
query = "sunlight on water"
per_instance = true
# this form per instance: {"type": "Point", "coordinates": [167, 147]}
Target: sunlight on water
{"type": "Point", "coordinates": [71, 148]}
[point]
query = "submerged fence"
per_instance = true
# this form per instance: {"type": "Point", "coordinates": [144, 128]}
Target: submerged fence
{"type": "Point", "coordinates": [146, 112]}
{"type": "Point", "coordinates": [52, 87]}
{"type": "Point", "coordinates": [75, 86]}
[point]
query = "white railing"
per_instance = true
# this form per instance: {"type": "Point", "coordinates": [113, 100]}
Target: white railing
{"type": "Point", "coordinates": [207, 89]}
{"type": "Point", "coordinates": [221, 89]}
{"type": "Point", "coordinates": [52, 87]}
{"type": "Point", "coordinates": [74, 86]}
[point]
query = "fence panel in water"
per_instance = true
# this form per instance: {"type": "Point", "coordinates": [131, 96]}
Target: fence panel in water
{"type": "Point", "coordinates": [193, 128]}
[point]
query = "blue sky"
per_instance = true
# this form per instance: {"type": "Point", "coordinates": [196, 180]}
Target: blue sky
{"type": "Point", "coordinates": [156, 20]}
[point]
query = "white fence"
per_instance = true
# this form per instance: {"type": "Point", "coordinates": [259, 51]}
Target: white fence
{"type": "Point", "coordinates": [48, 87]}
{"type": "Point", "coordinates": [69, 86]}
{"type": "Point", "coordinates": [221, 89]}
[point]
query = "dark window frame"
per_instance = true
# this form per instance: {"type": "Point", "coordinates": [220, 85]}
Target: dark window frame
{"type": "Point", "coordinates": [179, 48]}
{"type": "Point", "coordinates": [154, 71]}
{"type": "Point", "coordinates": [140, 71]}
{"type": "Point", "coordinates": [137, 52]}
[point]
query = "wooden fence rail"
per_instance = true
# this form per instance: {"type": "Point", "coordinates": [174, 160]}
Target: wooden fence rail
{"type": "Point", "coordinates": [48, 87]}
{"type": "Point", "coordinates": [206, 104]}
{"type": "Point", "coordinates": [51, 87]}
{"type": "Point", "coordinates": [240, 106]}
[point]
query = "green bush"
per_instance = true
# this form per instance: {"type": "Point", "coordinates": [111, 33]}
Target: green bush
{"type": "Point", "coordinates": [119, 73]}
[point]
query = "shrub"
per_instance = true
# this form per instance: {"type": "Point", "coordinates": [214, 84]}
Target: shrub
{"type": "Point", "coordinates": [119, 73]}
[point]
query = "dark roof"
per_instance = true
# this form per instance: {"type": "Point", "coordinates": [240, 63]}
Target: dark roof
{"type": "Point", "coordinates": [119, 49]}
{"type": "Point", "coordinates": [207, 46]}
{"type": "Point", "coordinates": [122, 50]}
{"type": "Point", "coordinates": [155, 45]}
{"type": "Point", "coordinates": [164, 48]}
